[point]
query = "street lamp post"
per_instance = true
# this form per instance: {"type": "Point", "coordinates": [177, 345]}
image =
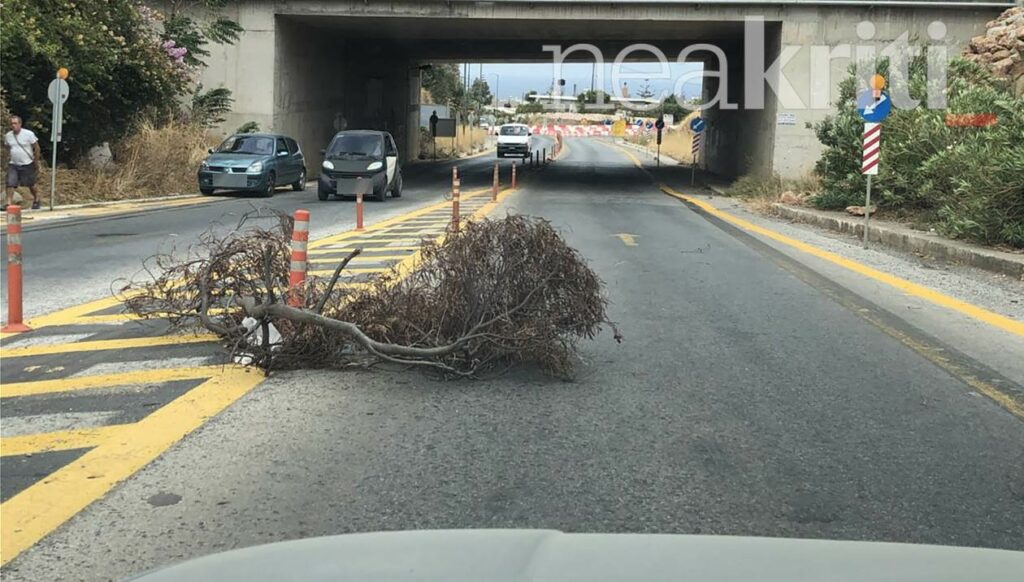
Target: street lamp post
{"type": "Point", "coordinates": [497, 88]}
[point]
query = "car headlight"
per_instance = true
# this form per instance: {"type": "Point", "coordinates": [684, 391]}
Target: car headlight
{"type": "Point", "coordinates": [254, 168]}
{"type": "Point", "coordinates": [205, 165]}
{"type": "Point", "coordinates": [328, 165]}
{"type": "Point", "coordinates": [374, 167]}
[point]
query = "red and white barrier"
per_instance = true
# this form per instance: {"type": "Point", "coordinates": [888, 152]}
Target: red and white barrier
{"type": "Point", "coordinates": [14, 280]}
{"type": "Point", "coordinates": [297, 271]}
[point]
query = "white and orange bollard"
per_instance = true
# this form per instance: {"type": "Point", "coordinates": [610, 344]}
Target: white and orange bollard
{"type": "Point", "coordinates": [297, 272]}
{"type": "Point", "coordinates": [359, 204]}
{"type": "Point", "coordinates": [14, 280]}
{"type": "Point", "coordinates": [513, 174]}
{"type": "Point", "coordinates": [456, 186]}
{"type": "Point", "coordinates": [494, 186]}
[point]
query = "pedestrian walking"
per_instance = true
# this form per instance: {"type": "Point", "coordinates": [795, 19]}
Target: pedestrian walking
{"type": "Point", "coordinates": [23, 166]}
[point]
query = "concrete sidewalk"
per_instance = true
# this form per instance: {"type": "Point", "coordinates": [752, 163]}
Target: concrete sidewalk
{"type": "Point", "coordinates": [31, 218]}
{"type": "Point", "coordinates": [897, 236]}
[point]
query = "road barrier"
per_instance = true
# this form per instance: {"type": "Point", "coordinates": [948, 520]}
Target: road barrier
{"type": "Point", "coordinates": [14, 281]}
{"type": "Point", "coordinates": [544, 156]}
{"type": "Point", "coordinates": [494, 186]}
{"type": "Point", "coordinates": [456, 185]}
{"type": "Point", "coordinates": [297, 274]}
{"type": "Point", "coordinates": [513, 174]}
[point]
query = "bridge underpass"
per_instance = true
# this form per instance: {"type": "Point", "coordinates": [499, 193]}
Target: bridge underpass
{"type": "Point", "coordinates": [359, 60]}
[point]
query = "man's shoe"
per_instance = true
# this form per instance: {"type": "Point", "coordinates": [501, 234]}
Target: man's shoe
{"type": "Point", "coordinates": [35, 205]}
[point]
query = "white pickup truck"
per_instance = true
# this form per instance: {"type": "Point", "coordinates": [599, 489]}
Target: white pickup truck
{"type": "Point", "coordinates": [514, 140]}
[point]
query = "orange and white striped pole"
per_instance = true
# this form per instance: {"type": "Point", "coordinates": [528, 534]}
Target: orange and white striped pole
{"type": "Point", "coordinates": [494, 186]}
{"type": "Point", "coordinates": [513, 174]}
{"type": "Point", "coordinates": [456, 186]}
{"type": "Point", "coordinates": [14, 281]}
{"type": "Point", "coordinates": [359, 204]}
{"type": "Point", "coordinates": [297, 273]}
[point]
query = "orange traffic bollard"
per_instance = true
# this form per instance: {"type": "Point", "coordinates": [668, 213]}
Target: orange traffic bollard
{"type": "Point", "coordinates": [456, 185]}
{"type": "Point", "coordinates": [14, 282]}
{"type": "Point", "coordinates": [359, 205]}
{"type": "Point", "coordinates": [513, 174]}
{"type": "Point", "coordinates": [297, 274]}
{"type": "Point", "coordinates": [494, 187]}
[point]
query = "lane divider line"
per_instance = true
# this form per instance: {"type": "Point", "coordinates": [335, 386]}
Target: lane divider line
{"type": "Point", "coordinates": [82, 438]}
{"type": "Point", "coordinates": [134, 378]}
{"type": "Point", "coordinates": [113, 344]}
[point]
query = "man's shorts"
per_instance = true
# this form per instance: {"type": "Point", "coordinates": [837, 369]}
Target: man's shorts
{"type": "Point", "coordinates": [21, 175]}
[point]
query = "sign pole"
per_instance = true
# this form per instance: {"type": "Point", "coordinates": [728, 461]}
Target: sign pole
{"type": "Point", "coordinates": [867, 211]}
{"type": "Point", "coordinates": [54, 137]}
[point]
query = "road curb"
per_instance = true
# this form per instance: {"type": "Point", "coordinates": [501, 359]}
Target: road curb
{"type": "Point", "coordinates": [905, 239]}
{"type": "Point", "coordinates": [664, 158]}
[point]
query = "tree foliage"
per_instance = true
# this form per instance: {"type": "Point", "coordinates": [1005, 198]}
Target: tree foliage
{"type": "Point", "coordinates": [968, 182]}
{"type": "Point", "coordinates": [209, 107]}
{"type": "Point", "coordinates": [127, 62]}
{"type": "Point", "coordinates": [117, 66]}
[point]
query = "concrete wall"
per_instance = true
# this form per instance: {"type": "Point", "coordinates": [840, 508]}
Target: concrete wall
{"type": "Point", "coordinates": [309, 87]}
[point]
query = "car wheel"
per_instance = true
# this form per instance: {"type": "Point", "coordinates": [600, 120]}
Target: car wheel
{"type": "Point", "coordinates": [206, 191]}
{"type": "Point", "coordinates": [300, 185]}
{"type": "Point", "coordinates": [269, 190]}
{"type": "Point", "coordinates": [396, 190]}
{"type": "Point", "coordinates": [380, 194]}
{"type": "Point", "coordinates": [322, 194]}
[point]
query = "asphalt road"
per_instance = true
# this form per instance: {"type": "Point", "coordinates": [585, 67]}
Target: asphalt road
{"type": "Point", "coordinates": [67, 264]}
{"type": "Point", "coordinates": [753, 396]}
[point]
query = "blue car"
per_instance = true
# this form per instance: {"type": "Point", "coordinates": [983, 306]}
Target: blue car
{"type": "Point", "coordinates": [254, 162]}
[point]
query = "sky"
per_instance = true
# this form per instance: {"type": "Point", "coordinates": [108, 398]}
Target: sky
{"type": "Point", "coordinates": [515, 79]}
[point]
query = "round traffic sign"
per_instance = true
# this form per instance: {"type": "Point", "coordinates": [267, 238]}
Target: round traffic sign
{"type": "Point", "coordinates": [639, 123]}
{"type": "Point", "coordinates": [607, 121]}
{"type": "Point", "coordinates": [660, 124]}
{"type": "Point", "coordinates": [697, 124]}
{"type": "Point", "coordinates": [871, 110]}
{"type": "Point", "coordinates": [650, 125]}
{"type": "Point", "coordinates": [58, 89]}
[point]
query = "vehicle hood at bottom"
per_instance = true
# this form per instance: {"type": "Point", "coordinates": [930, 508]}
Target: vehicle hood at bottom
{"type": "Point", "coordinates": [535, 555]}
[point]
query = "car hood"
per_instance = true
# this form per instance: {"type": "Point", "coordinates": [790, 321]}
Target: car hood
{"type": "Point", "coordinates": [235, 160]}
{"type": "Point", "coordinates": [535, 555]}
{"type": "Point", "coordinates": [350, 165]}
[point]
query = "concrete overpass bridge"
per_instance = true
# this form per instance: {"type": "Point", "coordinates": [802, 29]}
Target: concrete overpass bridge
{"type": "Point", "coordinates": [303, 62]}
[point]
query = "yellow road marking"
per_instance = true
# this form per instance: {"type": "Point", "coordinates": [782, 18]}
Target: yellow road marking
{"type": "Point", "coordinates": [12, 389]}
{"type": "Point", "coordinates": [41, 508]}
{"type": "Point", "coordinates": [627, 239]}
{"type": "Point", "coordinates": [329, 272]}
{"type": "Point", "coordinates": [365, 249]}
{"type": "Point", "coordinates": [920, 291]}
{"type": "Point", "coordinates": [973, 311]}
{"type": "Point", "coordinates": [114, 344]}
{"type": "Point", "coordinates": [64, 440]}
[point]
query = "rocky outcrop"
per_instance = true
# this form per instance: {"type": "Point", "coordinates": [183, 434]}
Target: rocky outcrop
{"type": "Point", "coordinates": [1001, 48]}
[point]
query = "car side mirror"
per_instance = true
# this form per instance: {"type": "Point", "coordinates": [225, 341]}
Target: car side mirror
{"type": "Point", "coordinates": [282, 154]}
{"type": "Point", "coordinates": [209, 151]}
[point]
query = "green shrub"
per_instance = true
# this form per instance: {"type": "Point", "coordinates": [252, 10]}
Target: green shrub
{"type": "Point", "coordinates": [968, 181]}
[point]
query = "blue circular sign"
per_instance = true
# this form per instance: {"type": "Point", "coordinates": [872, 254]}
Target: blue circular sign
{"type": "Point", "coordinates": [607, 121]}
{"type": "Point", "coordinates": [639, 123]}
{"type": "Point", "coordinates": [697, 124]}
{"type": "Point", "coordinates": [873, 111]}
{"type": "Point", "coordinates": [650, 125]}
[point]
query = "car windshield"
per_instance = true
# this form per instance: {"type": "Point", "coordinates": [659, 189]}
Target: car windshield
{"type": "Point", "coordinates": [247, 144]}
{"type": "Point", "coordinates": [514, 130]}
{"type": "Point", "coordinates": [356, 145]}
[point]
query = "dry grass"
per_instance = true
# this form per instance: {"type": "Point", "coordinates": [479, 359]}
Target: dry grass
{"type": "Point", "coordinates": [675, 143]}
{"type": "Point", "coordinates": [470, 140]}
{"type": "Point", "coordinates": [761, 193]}
{"type": "Point", "coordinates": [154, 161]}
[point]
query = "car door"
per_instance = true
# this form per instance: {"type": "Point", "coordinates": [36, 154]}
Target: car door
{"type": "Point", "coordinates": [390, 156]}
{"type": "Point", "coordinates": [283, 165]}
{"type": "Point", "coordinates": [295, 156]}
